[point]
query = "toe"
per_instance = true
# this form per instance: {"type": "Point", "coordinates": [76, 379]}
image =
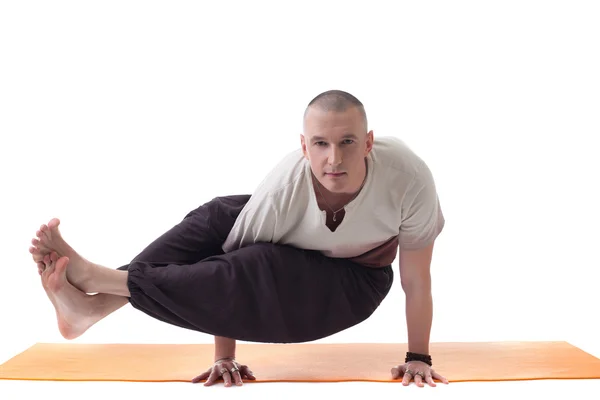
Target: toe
{"type": "Point", "coordinates": [45, 238]}
{"type": "Point", "coordinates": [48, 265]}
{"type": "Point", "coordinates": [44, 232]}
{"type": "Point", "coordinates": [40, 240]}
{"type": "Point", "coordinates": [47, 235]}
{"type": "Point", "coordinates": [61, 265]}
{"type": "Point", "coordinates": [53, 224]}
{"type": "Point", "coordinates": [38, 257]}
{"type": "Point", "coordinates": [39, 246]}
{"type": "Point", "coordinates": [36, 249]}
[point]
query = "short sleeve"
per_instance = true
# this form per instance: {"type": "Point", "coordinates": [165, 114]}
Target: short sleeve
{"type": "Point", "coordinates": [256, 223]}
{"type": "Point", "coordinates": [422, 217]}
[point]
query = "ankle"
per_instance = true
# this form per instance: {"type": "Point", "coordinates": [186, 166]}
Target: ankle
{"type": "Point", "coordinates": [86, 278]}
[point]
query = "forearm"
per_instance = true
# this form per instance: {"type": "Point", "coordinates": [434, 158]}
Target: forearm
{"type": "Point", "coordinates": [419, 315]}
{"type": "Point", "coordinates": [224, 347]}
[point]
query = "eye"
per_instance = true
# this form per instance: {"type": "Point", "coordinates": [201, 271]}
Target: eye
{"type": "Point", "coordinates": [348, 141]}
{"type": "Point", "coordinates": [320, 143]}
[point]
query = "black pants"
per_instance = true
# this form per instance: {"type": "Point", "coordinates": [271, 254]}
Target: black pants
{"type": "Point", "coordinates": [264, 292]}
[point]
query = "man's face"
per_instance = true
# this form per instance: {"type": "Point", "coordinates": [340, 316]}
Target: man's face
{"type": "Point", "coordinates": [336, 144]}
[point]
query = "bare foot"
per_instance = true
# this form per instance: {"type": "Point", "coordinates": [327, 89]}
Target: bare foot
{"type": "Point", "coordinates": [50, 240]}
{"type": "Point", "coordinates": [74, 310]}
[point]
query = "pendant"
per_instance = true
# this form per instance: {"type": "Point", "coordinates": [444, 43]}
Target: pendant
{"type": "Point", "coordinates": [334, 216]}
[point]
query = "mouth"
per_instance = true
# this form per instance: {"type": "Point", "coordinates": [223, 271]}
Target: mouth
{"type": "Point", "coordinates": [335, 174]}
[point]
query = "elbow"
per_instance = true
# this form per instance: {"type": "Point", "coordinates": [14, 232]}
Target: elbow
{"type": "Point", "coordinates": [416, 285]}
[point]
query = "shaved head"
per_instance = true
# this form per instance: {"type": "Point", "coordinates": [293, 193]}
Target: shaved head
{"type": "Point", "coordinates": [336, 101]}
{"type": "Point", "coordinates": [336, 143]}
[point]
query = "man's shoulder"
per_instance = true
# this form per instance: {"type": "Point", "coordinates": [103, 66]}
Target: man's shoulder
{"type": "Point", "coordinates": [287, 174]}
{"type": "Point", "coordinates": [393, 155]}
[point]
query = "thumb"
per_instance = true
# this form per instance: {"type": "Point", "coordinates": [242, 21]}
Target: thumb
{"type": "Point", "coordinates": [395, 372]}
{"type": "Point", "coordinates": [200, 377]}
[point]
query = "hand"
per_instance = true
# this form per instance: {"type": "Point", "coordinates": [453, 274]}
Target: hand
{"type": "Point", "coordinates": [419, 371]}
{"type": "Point", "coordinates": [227, 369]}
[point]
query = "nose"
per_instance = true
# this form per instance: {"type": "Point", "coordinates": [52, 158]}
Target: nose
{"type": "Point", "coordinates": [335, 156]}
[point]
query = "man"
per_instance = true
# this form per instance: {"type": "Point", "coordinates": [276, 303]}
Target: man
{"type": "Point", "coordinates": [307, 255]}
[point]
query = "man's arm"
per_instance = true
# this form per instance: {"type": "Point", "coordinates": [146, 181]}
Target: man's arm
{"type": "Point", "coordinates": [224, 348]}
{"type": "Point", "coordinates": [416, 282]}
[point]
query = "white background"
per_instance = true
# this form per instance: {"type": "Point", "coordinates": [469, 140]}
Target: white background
{"type": "Point", "coordinates": [119, 117]}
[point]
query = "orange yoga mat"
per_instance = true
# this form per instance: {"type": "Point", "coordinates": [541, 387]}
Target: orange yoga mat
{"type": "Point", "coordinates": [316, 362]}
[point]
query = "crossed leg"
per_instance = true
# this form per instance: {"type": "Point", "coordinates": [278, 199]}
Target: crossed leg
{"type": "Point", "coordinates": [263, 293]}
{"type": "Point", "coordinates": [68, 277]}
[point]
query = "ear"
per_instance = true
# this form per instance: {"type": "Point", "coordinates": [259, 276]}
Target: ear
{"type": "Point", "coordinates": [370, 140]}
{"type": "Point", "coordinates": [303, 144]}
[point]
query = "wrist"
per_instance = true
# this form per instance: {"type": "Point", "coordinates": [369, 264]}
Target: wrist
{"type": "Point", "coordinates": [411, 356]}
{"type": "Point", "coordinates": [229, 358]}
{"type": "Point", "coordinates": [224, 348]}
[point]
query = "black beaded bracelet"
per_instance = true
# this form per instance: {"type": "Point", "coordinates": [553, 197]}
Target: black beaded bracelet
{"type": "Point", "coordinates": [426, 358]}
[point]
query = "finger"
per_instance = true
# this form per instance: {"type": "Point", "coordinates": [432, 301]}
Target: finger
{"type": "Point", "coordinates": [246, 373]}
{"type": "Point", "coordinates": [201, 377]}
{"type": "Point", "coordinates": [227, 378]}
{"type": "Point", "coordinates": [213, 377]}
{"type": "Point", "coordinates": [395, 372]}
{"type": "Point", "coordinates": [237, 378]}
{"type": "Point", "coordinates": [406, 379]}
{"type": "Point", "coordinates": [429, 380]}
{"type": "Point", "coordinates": [439, 377]}
{"type": "Point", "coordinates": [419, 381]}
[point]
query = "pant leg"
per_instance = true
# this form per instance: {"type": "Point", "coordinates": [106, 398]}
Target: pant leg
{"type": "Point", "coordinates": [195, 237]}
{"type": "Point", "coordinates": [261, 293]}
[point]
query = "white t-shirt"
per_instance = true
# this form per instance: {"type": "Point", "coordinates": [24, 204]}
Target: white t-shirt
{"type": "Point", "coordinates": [398, 199]}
